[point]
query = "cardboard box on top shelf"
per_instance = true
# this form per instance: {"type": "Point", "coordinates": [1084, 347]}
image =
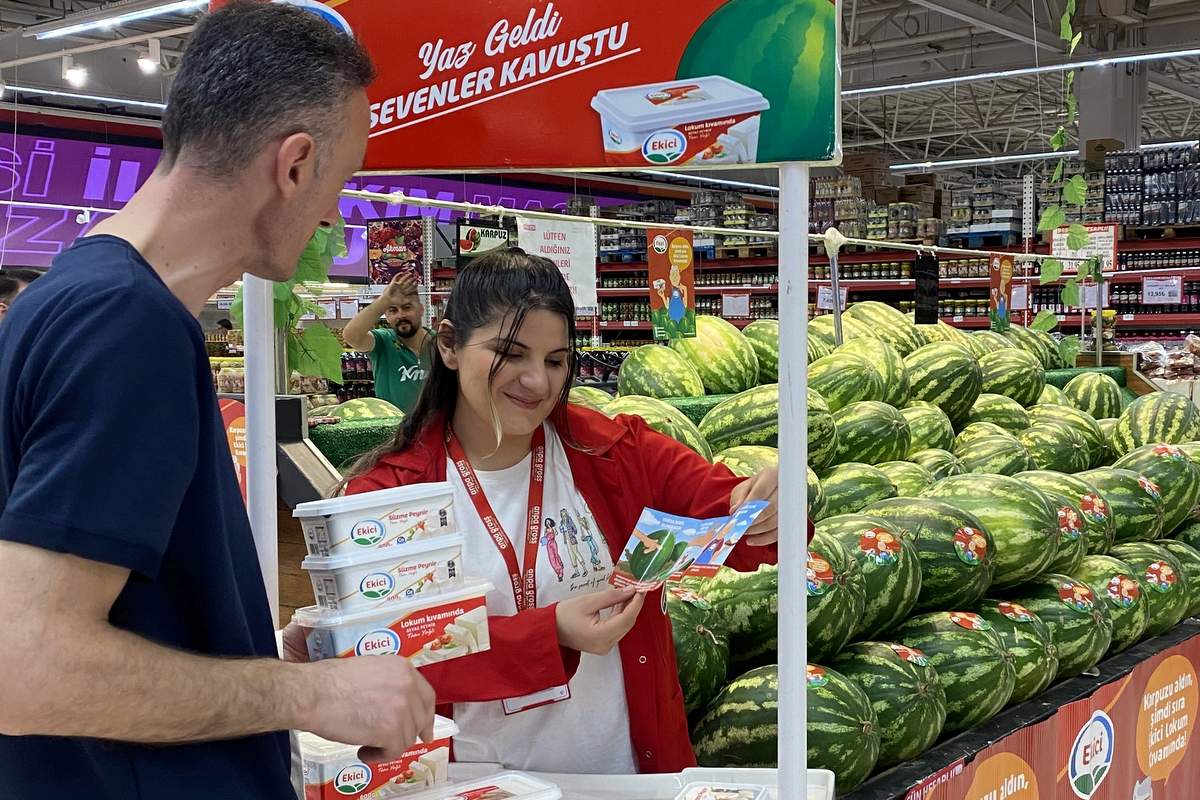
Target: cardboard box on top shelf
{"type": "Point", "coordinates": [854, 162]}
{"type": "Point", "coordinates": [918, 194]}
{"type": "Point", "coordinates": [933, 179]}
{"type": "Point", "coordinates": [871, 177]}
{"type": "Point", "coordinates": [925, 210]}
{"type": "Point", "coordinates": [885, 195]}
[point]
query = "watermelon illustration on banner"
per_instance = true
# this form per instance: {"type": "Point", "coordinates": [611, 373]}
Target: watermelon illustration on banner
{"type": "Point", "coordinates": [711, 83]}
{"type": "Point", "coordinates": [672, 283]}
{"type": "Point", "coordinates": [1000, 271]}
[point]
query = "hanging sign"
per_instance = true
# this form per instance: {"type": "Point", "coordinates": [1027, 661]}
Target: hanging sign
{"type": "Point", "coordinates": [570, 245]}
{"type": "Point", "coordinates": [1162, 291]}
{"type": "Point", "coordinates": [393, 246]}
{"type": "Point", "coordinates": [825, 298]}
{"type": "Point", "coordinates": [1020, 297]}
{"type": "Point", "coordinates": [672, 283]}
{"type": "Point", "coordinates": [476, 238]}
{"type": "Point", "coordinates": [1089, 295]}
{"type": "Point", "coordinates": [347, 308]}
{"type": "Point", "coordinates": [233, 415]}
{"type": "Point", "coordinates": [1102, 244]}
{"type": "Point", "coordinates": [1000, 273]}
{"type": "Point", "coordinates": [735, 306]}
{"type": "Point", "coordinates": [630, 84]}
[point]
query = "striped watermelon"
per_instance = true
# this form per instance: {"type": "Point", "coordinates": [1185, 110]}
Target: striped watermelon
{"type": "Point", "coordinates": [589, 396]}
{"type": "Point", "coordinates": [365, 408]}
{"type": "Point", "coordinates": [748, 460]}
{"type": "Point", "coordinates": [890, 565]}
{"type": "Point", "coordinates": [890, 324]}
{"type": "Point", "coordinates": [721, 355]}
{"type": "Point", "coordinates": [909, 479]}
{"type": "Point", "coordinates": [1098, 524]}
{"type": "Point", "coordinates": [995, 455]}
{"type": "Point", "coordinates": [850, 487]}
{"type": "Point", "coordinates": [1189, 534]}
{"type": "Point", "coordinates": [1060, 448]}
{"type": "Point", "coordinates": [955, 550]}
{"type": "Point", "coordinates": [1188, 558]}
{"type": "Point", "coordinates": [905, 692]}
{"type": "Point", "coordinates": [928, 426]}
{"type": "Point", "coordinates": [662, 417]}
{"type": "Point", "coordinates": [701, 649]}
{"type": "Point", "coordinates": [822, 329]}
{"type": "Point", "coordinates": [1167, 591]}
{"type": "Point", "coordinates": [1074, 418]}
{"type": "Point", "coordinates": [1095, 393]}
{"type": "Point", "coordinates": [843, 730]}
{"type": "Point", "coordinates": [941, 463]}
{"type": "Point", "coordinates": [1192, 451]}
{"type": "Point", "coordinates": [1078, 620]}
{"type": "Point", "coordinates": [1029, 644]}
{"type": "Point", "coordinates": [999, 410]}
{"type": "Point", "coordinates": [869, 432]}
{"type": "Point", "coordinates": [1176, 476]}
{"type": "Point", "coordinates": [1072, 531]}
{"type": "Point", "coordinates": [740, 728]}
{"type": "Point", "coordinates": [941, 332]}
{"type": "Point", "coordinates": [946, 375]}
{"type": "Point", "coordinates": [887, 361]}
{"type": "Point", "coordinates": [836, 596]}
{"type": "Point", "coordinates": [1014, 374]}
{"type": "Point", "coordinates": [816, 497]}
{"type": "Point", "coordinates": [763, 335]}
{"type": "Point", "coordinates": [657, 371]}
{"type": "Point", "coordinates": [983, 342]}
{"type": "Point", "coordinates": [969, 658]}
{"type": "Point", "coordinates": [1107, 428]}
{"type": "Point", "coordinates": [822, 433]}
{"type": "Point", "coordinates": [817, 348]}
{"type": "Point", "coordinates": [1154, 418]}
{"type": "Point", "coordinates": [978, 430]}
{"type": "Point", "coordinates": [1135, 503]}
{"type": "Point", "coordinates": [747, 418]}
{"type": "Point", "coordinates": [844, 378]}
{"type": "Point", "coordinates": [1022, 521]}
{"type": "Point", "coordinates": [745, 607]}
{"type": "Point", "coordinates": [1123, 591]}
{"type": "Point", "coordinates": [1053, 395]}
{"type": "Point", "coordinates": [1043, 349]}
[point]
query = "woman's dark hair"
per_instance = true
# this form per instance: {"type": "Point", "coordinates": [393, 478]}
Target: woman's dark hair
{"type": "Point", "coordinates": [507, 283]}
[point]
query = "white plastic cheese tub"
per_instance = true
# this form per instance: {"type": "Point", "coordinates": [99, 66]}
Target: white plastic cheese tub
{"type": "Point", "coordinates": [373, 520]}
{"type": "Point", "coordinates": [426, 629]}
{"type": "Point", "coordinates": [333, 771]}
{"type": "Point", "coordinates": [703, 121]}
{"type": "Point", "coordinates": [501, 786]}
{"type": "Point", "coordinates": [377, 577]}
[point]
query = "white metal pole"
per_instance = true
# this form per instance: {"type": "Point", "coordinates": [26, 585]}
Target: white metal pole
{"type": "Point", "coordinates": [793, 477]}
{"type": "Point", "coordinates": [261, 490]}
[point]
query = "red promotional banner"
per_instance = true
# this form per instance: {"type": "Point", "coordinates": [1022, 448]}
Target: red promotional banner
{"type": "Point", "coordinates": [499, 84]}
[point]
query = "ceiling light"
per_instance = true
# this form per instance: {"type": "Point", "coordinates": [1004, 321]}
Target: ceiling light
{"type": "Point", "coordinates": [715, 181]}
{"type": "Point", "coordinates": [1008, 159]}
{"type": "Point", "coordinates": [117, 101]}
{"type": "Point", "coordinates": [73, 73]}
{"type": "Point", "coordinates": [110, 18]}
{"type": "Point", "coordinates": [150, 61]}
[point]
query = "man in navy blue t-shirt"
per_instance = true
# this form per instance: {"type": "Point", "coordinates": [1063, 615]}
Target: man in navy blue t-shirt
{"type": "Point", "coordinates": [138, 658]}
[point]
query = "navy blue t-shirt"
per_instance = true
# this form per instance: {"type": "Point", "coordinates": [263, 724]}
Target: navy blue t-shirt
{"type": "Point", "coordinates": [112, 449]}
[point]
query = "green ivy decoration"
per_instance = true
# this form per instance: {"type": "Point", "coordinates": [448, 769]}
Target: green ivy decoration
{"type": "Point", "coordinates": [313, 351]}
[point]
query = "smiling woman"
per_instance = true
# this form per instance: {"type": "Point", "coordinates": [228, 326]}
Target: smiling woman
{"type": "Point", "coordinates": [546, 494]}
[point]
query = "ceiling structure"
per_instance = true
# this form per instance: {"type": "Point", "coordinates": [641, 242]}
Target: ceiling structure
{"type": "Point", "coordinates": [884, 43]}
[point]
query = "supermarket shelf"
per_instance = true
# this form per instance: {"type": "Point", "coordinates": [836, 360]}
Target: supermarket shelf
{"type": "Point", "coordinates": [1174, 321]}
{"type": "Point", "coordinates": [968, 322]}
{"type": "Point", "coordinates": [904, 283]}
{"type": "Point", "coordinates": [639, 325]}
{"type": "Point", "coordinates": [701, 263]}
{"type": "Point", "coordinates": [641, 291]}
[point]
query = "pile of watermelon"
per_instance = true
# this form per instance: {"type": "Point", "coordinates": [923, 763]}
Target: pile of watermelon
{"type": "Point", "coordinates": [980, 536]}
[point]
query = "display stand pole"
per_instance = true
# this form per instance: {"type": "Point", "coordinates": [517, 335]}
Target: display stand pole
{"type": "Point", "coordinates": [793, 477]}
{"type": "Point", "coordinates": [261, 490]}
{"type": "Point", "coordinates": [1098, 323]}
{"type": "Point", "coordinates": [835, 288]}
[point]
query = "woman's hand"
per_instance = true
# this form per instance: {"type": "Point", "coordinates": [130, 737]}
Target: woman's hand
{"type": "Point", "coordinates": [762, 486]}
{"type": "Point", "coordinates": [581, 626]}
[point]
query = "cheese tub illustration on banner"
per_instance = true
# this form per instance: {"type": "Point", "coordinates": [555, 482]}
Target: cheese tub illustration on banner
{"type": "Point", "coordinates": [707, 121]}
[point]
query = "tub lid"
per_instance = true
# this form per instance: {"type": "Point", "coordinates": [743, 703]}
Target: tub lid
{"type": "Point", "coordinates": [379, 555]}
{"type": "Point", "coordinates": [325, 751]}
{"type": "Point", "coordinates": [383, 499]}
{"type": "Point", "coordinates": [519, 785]}
{"type": "Point", "coordinates": [657, 105]}
{"type": "Point", "coordinates": [433, 595]}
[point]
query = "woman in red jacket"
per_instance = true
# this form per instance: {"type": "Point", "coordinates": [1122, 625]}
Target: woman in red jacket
{"type": "Point", "coordinates": [553, 693]}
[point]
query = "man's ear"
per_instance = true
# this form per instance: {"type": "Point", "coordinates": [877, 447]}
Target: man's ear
{"type": "Point", "coordinates": [445, 344]}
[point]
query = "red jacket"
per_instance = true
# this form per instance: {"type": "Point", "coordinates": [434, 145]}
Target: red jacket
{"type": "Point", "coordinates": [621, 467]}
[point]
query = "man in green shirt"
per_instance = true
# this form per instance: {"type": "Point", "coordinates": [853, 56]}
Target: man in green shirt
{"type": "Point", "coordinates": [400, 352]}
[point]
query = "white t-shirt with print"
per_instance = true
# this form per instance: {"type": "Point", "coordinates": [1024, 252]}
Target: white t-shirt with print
{"type": "Point", "coordinates": [589, 732]}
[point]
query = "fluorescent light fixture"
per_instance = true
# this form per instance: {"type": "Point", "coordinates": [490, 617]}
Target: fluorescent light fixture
{"type": "Point", "coordinates": [1015, 73]}
{"type": "Point", "coordinates": [116, 101]}
{"type": "Point", "coordinates": [150, 61]}
{"type": "Point", "coordinates": [714, 181]}
{"type": "Point", "coordinates": [72, 73]}
{"type": "Point", "coordinates": [1016, 157]}
{"type": "Point", "coordinates": [112, 18]}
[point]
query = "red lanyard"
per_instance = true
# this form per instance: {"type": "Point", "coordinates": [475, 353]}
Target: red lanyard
{"type": "Point", "coordinates": [525, 593]}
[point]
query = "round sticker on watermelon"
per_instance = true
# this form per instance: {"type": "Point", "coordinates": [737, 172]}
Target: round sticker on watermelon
{"type": "Point", "coordinates": [1076, 596]}
{"type": "Point", "coordinates": [819, 575]}
{"type": "Point", "coordinates": [910, 654]}
{"type": "Point", "coordinates": [970, 545]}
{"type": "Point", "coordinates": [1169, 451]}
{"type": "Point", "coordinates": [1069, 525]}
{"type": "Point", "coordinates": [1150, 486]}
{"type": "Point", "coordinates": [1122, 591]}
{"type": "Point", "coordinates": [1015, 611]}
{"type": "Point", "coordinates": [972, 622]}
{"type": "Point", "coordinates": [880, 546]}
{"type": "Point", "coordinates": [1094, 508]}
{"type": "Point", "coordinates": [816, 676]}
{"type": "Point", "coordinates": [1161, 576]}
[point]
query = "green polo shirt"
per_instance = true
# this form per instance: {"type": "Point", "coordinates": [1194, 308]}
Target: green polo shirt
{"type": "Point", "coordinates": [399, 372]}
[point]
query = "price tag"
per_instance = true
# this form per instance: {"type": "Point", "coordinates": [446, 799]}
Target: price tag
{"type": "Point", "coordinates": [956, 280]}
{"type": "Point", "coordinates": [1060, 317]}
{"type": "Point", "coordinates": [957, 318]}
{"type": "Point", "coordinates": [1160, 291]}
{"type": "Point", "coordinates": [348, 307]}
{"type": "Point", "coordinates": [370, 292]}
{"type": "Point", "coordinates": [224, 303]}
{"type": "Point", "coordinates": [825, 298]}
{"type": "Point", "coordinates": [1127, 317]}
{"type": "Point", "coordinates": [630, 323]}
{"type": "Point", "coordinates": [1020, 297]}
{"type": "Point", "coordinates": [309, 315]}
{"type": "Point", "coordinates": [735, 305]}
{"type": "Point", "coordinates": [1089, 295]}
{"type": "Point", "coordinates": [329, 307]}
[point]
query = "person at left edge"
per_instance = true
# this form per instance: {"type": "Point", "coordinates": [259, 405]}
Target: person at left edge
{"type": "Point", "coordinates": [399, 353]}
